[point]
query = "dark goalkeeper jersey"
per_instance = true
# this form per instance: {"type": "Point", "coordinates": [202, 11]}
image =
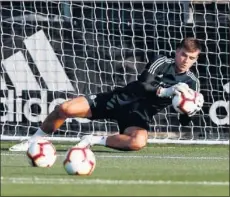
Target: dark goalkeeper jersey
{"type": "Point", "coordinates": [162, 73]}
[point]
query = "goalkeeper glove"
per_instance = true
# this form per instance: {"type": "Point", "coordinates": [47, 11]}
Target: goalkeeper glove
{"type": "Point", "coordinates": [199, 101]}
{"type": "Point", "coordinates": [173, 90]}
{"type": "Point", "coordinates": [199, 104]}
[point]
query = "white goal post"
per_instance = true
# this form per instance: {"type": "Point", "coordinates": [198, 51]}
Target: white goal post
{"type": "Point", "coordinates": [54, 50]}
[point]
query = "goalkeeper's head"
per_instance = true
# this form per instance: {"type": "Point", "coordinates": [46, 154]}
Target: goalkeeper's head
{"type": "Point", "coordinates": [187, 53]}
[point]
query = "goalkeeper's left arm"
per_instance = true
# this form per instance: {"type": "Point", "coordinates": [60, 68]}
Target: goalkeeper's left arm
{"type": "Point", "coordinates": [185, 119]}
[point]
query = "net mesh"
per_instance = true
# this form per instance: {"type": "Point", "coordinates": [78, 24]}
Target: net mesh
{"type": "Point", "coordinates": [52, 51]}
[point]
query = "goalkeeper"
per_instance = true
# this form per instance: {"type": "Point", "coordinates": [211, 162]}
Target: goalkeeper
{"type": "Point", "coordinates": [132, 106]}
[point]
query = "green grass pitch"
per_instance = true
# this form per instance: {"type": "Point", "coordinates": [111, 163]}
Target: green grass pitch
{"type": "Point", "coordinates": [157, 170]}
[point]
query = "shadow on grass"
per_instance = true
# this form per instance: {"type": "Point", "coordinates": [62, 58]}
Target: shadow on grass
{"type": "Point", "coordinates": [109, 151]}
{"type": "Point", "coordinates": [100, 151]}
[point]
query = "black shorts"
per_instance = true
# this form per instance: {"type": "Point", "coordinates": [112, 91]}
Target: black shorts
{"type": "Point", "coordinates": [106, 106]}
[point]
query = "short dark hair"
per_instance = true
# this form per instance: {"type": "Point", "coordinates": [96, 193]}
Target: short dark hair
{"type": "Point", "coordinates": [190, 44]}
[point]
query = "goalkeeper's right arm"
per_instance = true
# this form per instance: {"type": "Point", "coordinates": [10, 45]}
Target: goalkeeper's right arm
{"type": "Point", "coordinates": [142, 89]}
{"type": "Point", "coordinates": [171, 91]}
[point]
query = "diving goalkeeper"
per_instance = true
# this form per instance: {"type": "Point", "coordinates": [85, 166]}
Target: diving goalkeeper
{"type": "Point", "coordinates": [132, 106]}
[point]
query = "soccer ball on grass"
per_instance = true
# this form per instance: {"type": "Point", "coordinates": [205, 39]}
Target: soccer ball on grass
{"type": "Point", "coordinates": [41, 153]}
{"type": "Point", "coordinates": [79, 161]}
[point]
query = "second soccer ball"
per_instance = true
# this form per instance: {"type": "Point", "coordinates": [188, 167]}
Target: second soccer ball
{"type": "Point", "coordinates": [41, 153]}
{"type": "Point", "coordinates": [79, 161]}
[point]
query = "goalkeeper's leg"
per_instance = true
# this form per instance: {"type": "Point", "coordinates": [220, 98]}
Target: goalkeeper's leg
{"type": "Point", "coordinates": [77, 107]}
{"type": "Point", "coordinates": [133, 139]}
{"type": "Point", "coordinates": [133, 130]}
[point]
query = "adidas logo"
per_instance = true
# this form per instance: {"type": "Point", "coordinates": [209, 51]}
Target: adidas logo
{"type": "Point", "coordinates": [223, 120]}
{"type": "Point", "coordinates": [27, 91]}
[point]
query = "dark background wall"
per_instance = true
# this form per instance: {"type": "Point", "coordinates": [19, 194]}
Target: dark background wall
{"type": "Point", "coordinates": [105, 45]}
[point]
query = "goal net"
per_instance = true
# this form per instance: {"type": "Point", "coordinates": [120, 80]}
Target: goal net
{"type": "Point", "coordinates": [55, 50]}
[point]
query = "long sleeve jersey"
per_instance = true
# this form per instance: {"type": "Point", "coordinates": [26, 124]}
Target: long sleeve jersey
{"type": "Point", "coordinates": [162, 72]}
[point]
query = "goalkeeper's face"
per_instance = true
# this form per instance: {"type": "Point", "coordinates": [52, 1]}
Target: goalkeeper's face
{"type": "Point", "coordinates": [184, 59]}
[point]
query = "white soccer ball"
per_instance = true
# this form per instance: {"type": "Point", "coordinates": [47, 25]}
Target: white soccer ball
{"type": "Point", "coordinates": [186, 102]}
{"type": "Point", "coordinates": [79, 161]}
{"type": "Point", "coordinates": [41, 153]}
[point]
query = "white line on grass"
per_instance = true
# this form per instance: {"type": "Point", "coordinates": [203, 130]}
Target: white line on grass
{"type": "Point", "coordinates": [69, 181]}
{"type": "Point", "coordinates": [132, 156]}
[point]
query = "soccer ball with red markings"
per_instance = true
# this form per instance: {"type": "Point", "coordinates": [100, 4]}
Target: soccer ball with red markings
{"type": "Point", "coordinates": [186, 102]}
{"type": "Point", "coordinates": [41, 153]}
{"type": "Point", "coordinates": [79, 161]}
